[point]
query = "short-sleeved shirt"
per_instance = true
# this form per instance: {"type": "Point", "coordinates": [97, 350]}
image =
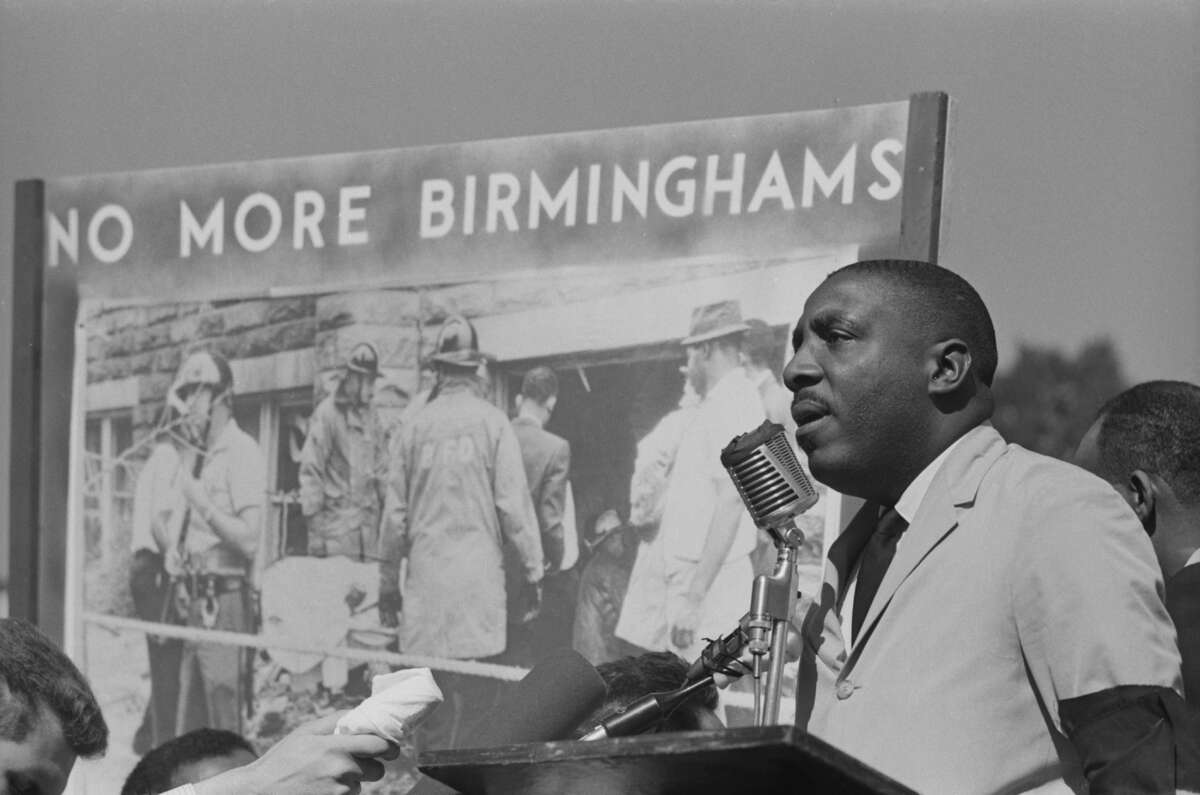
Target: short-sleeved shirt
{"type": "Point", "coordinates": [234, 475]}
{"type": "Point", "coordinates": [155, 496]}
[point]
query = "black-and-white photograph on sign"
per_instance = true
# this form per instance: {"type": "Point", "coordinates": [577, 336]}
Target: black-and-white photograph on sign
{"type": "Point", "coordinates": [456, 407]}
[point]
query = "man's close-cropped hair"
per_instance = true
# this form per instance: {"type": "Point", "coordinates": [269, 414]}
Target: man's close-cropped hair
{"type": "Point", "coordinates": [156, 771]}
{"type": "Point", "coordinates": [540, 384]}
{"type": "Point", "coordinates": [34, 674]}
{"type": "Point", "coordinates": [1154, 426]}
{"type": "Point", "coordinates": [942, 302]}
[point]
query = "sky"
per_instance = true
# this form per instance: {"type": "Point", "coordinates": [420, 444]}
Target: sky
{"type": "Point", "coordinates": [1073, 193]}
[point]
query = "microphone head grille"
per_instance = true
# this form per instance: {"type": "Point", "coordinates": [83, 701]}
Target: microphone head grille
{"type": "Point", "coordinates": [768, 477]}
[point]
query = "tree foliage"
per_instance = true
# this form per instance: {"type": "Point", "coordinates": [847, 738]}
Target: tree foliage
{"type": "Point", "coordinates": [1047, 400]}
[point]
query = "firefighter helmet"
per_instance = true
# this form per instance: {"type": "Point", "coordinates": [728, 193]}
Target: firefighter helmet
{"type": "Point", "coordinates": [200, 369]}
{"type": "Point", "coordinates": [363, 359]}
{"type": "Point", "coordinates": [458, 344]}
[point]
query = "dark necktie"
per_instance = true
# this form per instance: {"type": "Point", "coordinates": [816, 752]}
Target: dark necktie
{"type": "Point", "coordinates": [873, 563]}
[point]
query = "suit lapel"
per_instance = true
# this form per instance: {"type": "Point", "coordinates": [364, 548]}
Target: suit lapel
{"type": "Point", "coordinates": [953, 488]}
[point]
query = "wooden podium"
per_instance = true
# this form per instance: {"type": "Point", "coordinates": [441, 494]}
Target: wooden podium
{"type": "Point", "coordinates": [742, 761]}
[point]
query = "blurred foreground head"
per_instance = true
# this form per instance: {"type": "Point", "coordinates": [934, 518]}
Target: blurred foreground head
{"type": "Point", "coordinates": [48, 714]}
{"type": "Point", "coordinates": [191, 757]}
{"type": "Point", "coordinates": [631, 678]}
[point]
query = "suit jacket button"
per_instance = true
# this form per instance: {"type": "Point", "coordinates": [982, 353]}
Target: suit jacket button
{"type": "Point", "coordinates": [844, 690]}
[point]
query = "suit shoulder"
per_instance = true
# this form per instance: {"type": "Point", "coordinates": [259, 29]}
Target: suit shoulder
{"type": "Point", "coordinates": [1059, 502]}
{"type": "Point", "coordinates": [558, 442]}
{"type": "Point", "coordinates": [531, 432]}
{"type": "Point", "coordinates": [1038, 473]}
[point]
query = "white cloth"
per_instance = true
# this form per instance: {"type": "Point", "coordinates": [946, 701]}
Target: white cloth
{"type": "Point", "coordinates": [399, 701]}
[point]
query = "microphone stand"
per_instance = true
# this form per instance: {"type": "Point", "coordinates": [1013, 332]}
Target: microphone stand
{"type": "Point", "coordinates": [772, 602]}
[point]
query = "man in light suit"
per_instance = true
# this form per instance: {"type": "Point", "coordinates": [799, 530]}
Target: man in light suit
{"type": "Point", "coordinates": [990, 620]}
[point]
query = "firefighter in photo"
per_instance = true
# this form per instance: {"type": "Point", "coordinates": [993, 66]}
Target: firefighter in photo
{"type": "Point", "coordinates": [214, 535]}
{"type": "Point", "coordinates": [457, 495]}
{"type": "Point", "coordinates": [342, 463]}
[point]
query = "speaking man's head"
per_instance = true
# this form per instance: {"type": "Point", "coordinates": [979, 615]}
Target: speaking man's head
{"type": "Point", "coordinates": [893, 360]}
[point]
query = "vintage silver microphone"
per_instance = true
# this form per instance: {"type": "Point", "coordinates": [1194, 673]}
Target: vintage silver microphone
{"type": "Point", "coordinates": [776, 491]}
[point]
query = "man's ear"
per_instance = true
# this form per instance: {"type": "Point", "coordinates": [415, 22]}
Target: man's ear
{"type": "Point", "coordinates": [551, 402]}
{"type": "Point", "coordinates": [1144, 497]}
{"type": "Point", "coordinates": [949, 366]}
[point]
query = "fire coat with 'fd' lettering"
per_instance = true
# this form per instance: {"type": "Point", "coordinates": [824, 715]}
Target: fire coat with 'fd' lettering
{"type": "Point", "coordinates": [457, 495]}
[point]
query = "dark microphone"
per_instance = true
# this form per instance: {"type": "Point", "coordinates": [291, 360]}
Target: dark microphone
{"type": "Point", "coordinates": [721, 659]}
{"type": "Point", "coordinates": [768, 477]}
{"type": "Point", "coordinates": [547, 704]}
{"type": "Point", "coordinates": [718, 665]}
{"type": "Point", "coordinates": [645, 712]}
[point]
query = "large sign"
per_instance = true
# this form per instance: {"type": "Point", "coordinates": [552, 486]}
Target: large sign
{"type": "Point", "coordinates": [749, 187]}
{"type": "Point", "coordinates": [221, 565]}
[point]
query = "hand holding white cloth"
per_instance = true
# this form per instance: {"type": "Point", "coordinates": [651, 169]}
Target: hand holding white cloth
{"type": "Point", "coordinates": [398, 702]}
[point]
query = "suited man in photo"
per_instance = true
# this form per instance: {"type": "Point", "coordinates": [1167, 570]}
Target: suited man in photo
{"type": "Point", "coordinates": [547, 460]}
{"type": "Point", "coordinates": [989, 621]}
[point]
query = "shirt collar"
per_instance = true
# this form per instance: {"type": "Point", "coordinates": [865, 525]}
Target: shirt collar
{"type": "Point", "coordinates": [1195, 558]}
{"type": "Point", "coordinates": [912, 497]}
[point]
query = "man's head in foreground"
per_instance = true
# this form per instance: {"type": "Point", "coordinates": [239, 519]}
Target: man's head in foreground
{"type": "Point", "coordinates": [192, 757]}
{"type": "Point", "coordinates": [893, 361]}
{"type": "Point", "coordinates": [630, 678]}
{"type": "Point", "coordinates": [48, 715]}
{"type": "Point", "coordinates": [1146, 443]}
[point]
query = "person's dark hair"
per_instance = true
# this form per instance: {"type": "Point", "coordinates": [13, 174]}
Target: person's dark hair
{"type": "Point", "coordinates": [762, 345]}
{"type": "Point", "coordinates": [942, 302]}
{"type": "Point", "coordinates": [156, 771]}
{"type": "Point", "coordinates": [539, 384]}
{"type": "Point", "coordinates": [34, 674]}
{"type": "Point", "coordinates": [1153, 426]}
{"type": "Point", "coordinates": [630, 678]}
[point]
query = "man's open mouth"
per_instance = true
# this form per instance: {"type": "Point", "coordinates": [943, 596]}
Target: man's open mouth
{"type": "Point", "coordinates": [805, 412]}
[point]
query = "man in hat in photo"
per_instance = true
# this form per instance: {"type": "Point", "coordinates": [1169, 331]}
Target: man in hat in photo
{"type": "Point", "coordinates": [343, 463]}
{"type": "Point", "coordinates": [701, 552]}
